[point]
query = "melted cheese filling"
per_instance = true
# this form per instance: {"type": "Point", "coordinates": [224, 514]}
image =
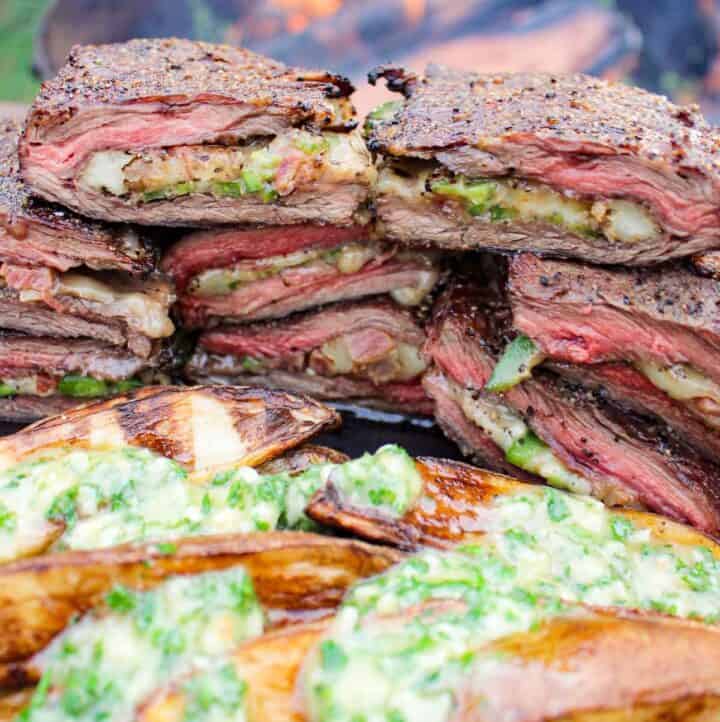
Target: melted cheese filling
{"type": "Point", "coordinates": [543, 549]}
{"type": "Point", "coordinates": [108, 664]}
{"type": "Point", "coordinates": [683, 383]}
{"type": "Point", "coordinates": [143, 312]}
{"type": "Point", "coordinates": [291, 161]}
{"type": "Point", "coordinates": [506, 427]}
{"type": "Point", "coordinates": [506, 200]}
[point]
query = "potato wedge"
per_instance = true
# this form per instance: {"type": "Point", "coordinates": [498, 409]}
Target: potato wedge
{"type": "Point", "coordinates": [299, 459]}
{"type": "Point", "coordinates": [296, 575]}
{"type": "Point", "coordinates": [12, 703]}
{"type": "Point", "coordinates": [456, 506]}
{"type": "Point", "coordinates": [203, 428]}
{"type": "Point", "coordinates": [598, 667]}
{"type": "Point", "coordinates": [269, 665]}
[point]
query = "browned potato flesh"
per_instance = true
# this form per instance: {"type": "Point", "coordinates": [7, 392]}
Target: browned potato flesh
{"type": "Point", "coordinates": [599, 667]}
{"type": "Point", "coordinates": [203, 428]}
{"type": "Point", "coordinates": [456, 507]}
{"type": "Point", "coordinates": [269, 665]}
{"type": "Point", "coordinates": [296, 575]}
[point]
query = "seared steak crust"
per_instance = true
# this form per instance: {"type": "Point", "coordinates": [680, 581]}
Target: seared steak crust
{"type": "Point", "coordinates": [38, 233]}
{"type": "Point", "coordinates": [668, 315]}
{"type": "Point", "coordinates": [175, 72]}
{"type": "Point", "coordinates": [448, 110]}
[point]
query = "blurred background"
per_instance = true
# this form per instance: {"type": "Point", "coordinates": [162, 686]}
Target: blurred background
{"type": "Point", "coordinates": [671, 46]}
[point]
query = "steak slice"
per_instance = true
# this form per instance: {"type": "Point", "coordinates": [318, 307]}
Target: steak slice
{"type": "Point", "coordinates": [584, 314]}
{"type": "Point", "coordinates": [627, 388]}
{"type": "Point", "coordinates": [259, 288]}
{"type": "Point", "coordinates": [625, 460]}
{"type": "Point", "coordinates": [176, 132]}
{"type": "Point", "coordinates": [562, 140]}
{"type": "Point", "coordinates": [22, 356]}
{"type": "Point", "coordinates": [368, 351]}
{"type": "Point", "coordinates": [663, 322]}
{"type": "Point", "coordinates": [39, 234]}
{"type": "Point", "coordinates": [24, 408]}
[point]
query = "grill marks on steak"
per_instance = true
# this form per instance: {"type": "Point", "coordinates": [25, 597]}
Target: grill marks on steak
{"type": "Point", "coordinates": [627, 460]}
{"type": "Point", "coordinates": [36, 233]}
{"type": "Point", "coordinates": [291, 353]}
{"type": "Point", "coordinates": [581, 314]}
{"type": "Point", "coordinates": [593, 138]}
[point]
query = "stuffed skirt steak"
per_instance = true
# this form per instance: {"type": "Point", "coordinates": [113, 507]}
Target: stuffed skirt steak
{"type": "Point", "coordinates": [566, 165]}
{"type": "Point", "coordinates": [367, 352]}
{"type": "Point", "coordinates": [175, 132]}
{"type": "Point", "coordinates": [83, 310]}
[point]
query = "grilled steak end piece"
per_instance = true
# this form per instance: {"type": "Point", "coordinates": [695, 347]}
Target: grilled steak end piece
{"type": "Point", "coordinates": [176, 72]}
{"type": "Point", "coordinates": [447, 110]}
{"type": "Point", "coordinates": [38, 233]}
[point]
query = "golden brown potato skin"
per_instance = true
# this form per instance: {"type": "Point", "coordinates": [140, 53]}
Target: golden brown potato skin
{"type": "Point", "coordinates": [296, 575]}
{"type": "Point", "coordinates": [599, 667]}
{"type": "Point", "coordinates": [269, 664]}
{"type": "Point", "coordinates": [461, 495]}
{"type": "Point", "coordinates": [203, 427]}
{"type": "Point", "coordinates": [299, 459]}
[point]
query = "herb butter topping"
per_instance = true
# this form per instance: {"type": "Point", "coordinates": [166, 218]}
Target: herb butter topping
{"type": "Point", "coordinates": [108, 663]}
{"type": "Point", "coordinates": [408, 637]}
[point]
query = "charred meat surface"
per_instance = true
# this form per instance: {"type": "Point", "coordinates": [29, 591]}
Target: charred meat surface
{"type": "Point", "coordinates": [365, 351]}
{"type": "Point", "coordinates": [662, 324]}
{"type": "Point", "coordinates": [250, 274]}
{"type": "Point", "coordinates": [176, 132]}
{"type": "Point", "coordinates": [563, 433]}
{"type": "Point", "coordinates": [566, 165]}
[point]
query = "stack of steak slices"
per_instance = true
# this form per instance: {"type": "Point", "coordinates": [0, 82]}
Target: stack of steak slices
{"type": "Point", "coordinates": [83, 310]}
{"type": "Point", "coordinates": [588, 358]}
{"type": "Point", "coordinates": [263, 168]}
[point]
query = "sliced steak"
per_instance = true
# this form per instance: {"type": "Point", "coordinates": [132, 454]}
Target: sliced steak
{"type": "Point", "coordinates": [362, 351]}
{"type": "Point", "coordinates": [106, 306]}
{"type": "Point", "coordinates": [163, 132]}
{"type": "Point", "coordinates": [627, 461]}
{"type": "Point", "coordinates": [34, 233]}
{"type": "Point", "coordinates": [24, 408]}
{"type": "Point", "coordinates": [22, 356]}
{"type": "Point", "coordinates": [567, 145]}
{"type": "Point", "coordinates": [627, 388]}
{"type": "Point", "coordinates": [663, 323]}
{"type": "Point", "coordinates": [280, 290]}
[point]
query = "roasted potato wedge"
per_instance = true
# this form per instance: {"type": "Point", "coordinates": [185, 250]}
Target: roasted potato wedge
{"type": "Point", "coordinates": [203, 428]}
{"type": "Point", "coordinates": [269, 665]}
{"type": "Point", "coordinates": [598, 667]}
{"type": "Point", "coordinates": [456, 506]}
{"type": "Point", "coordinates": [11, 703]}
{"type": "Point", "coordinates": [296, 575]}
{"type": "Point", "coordinates": [299, 459]}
